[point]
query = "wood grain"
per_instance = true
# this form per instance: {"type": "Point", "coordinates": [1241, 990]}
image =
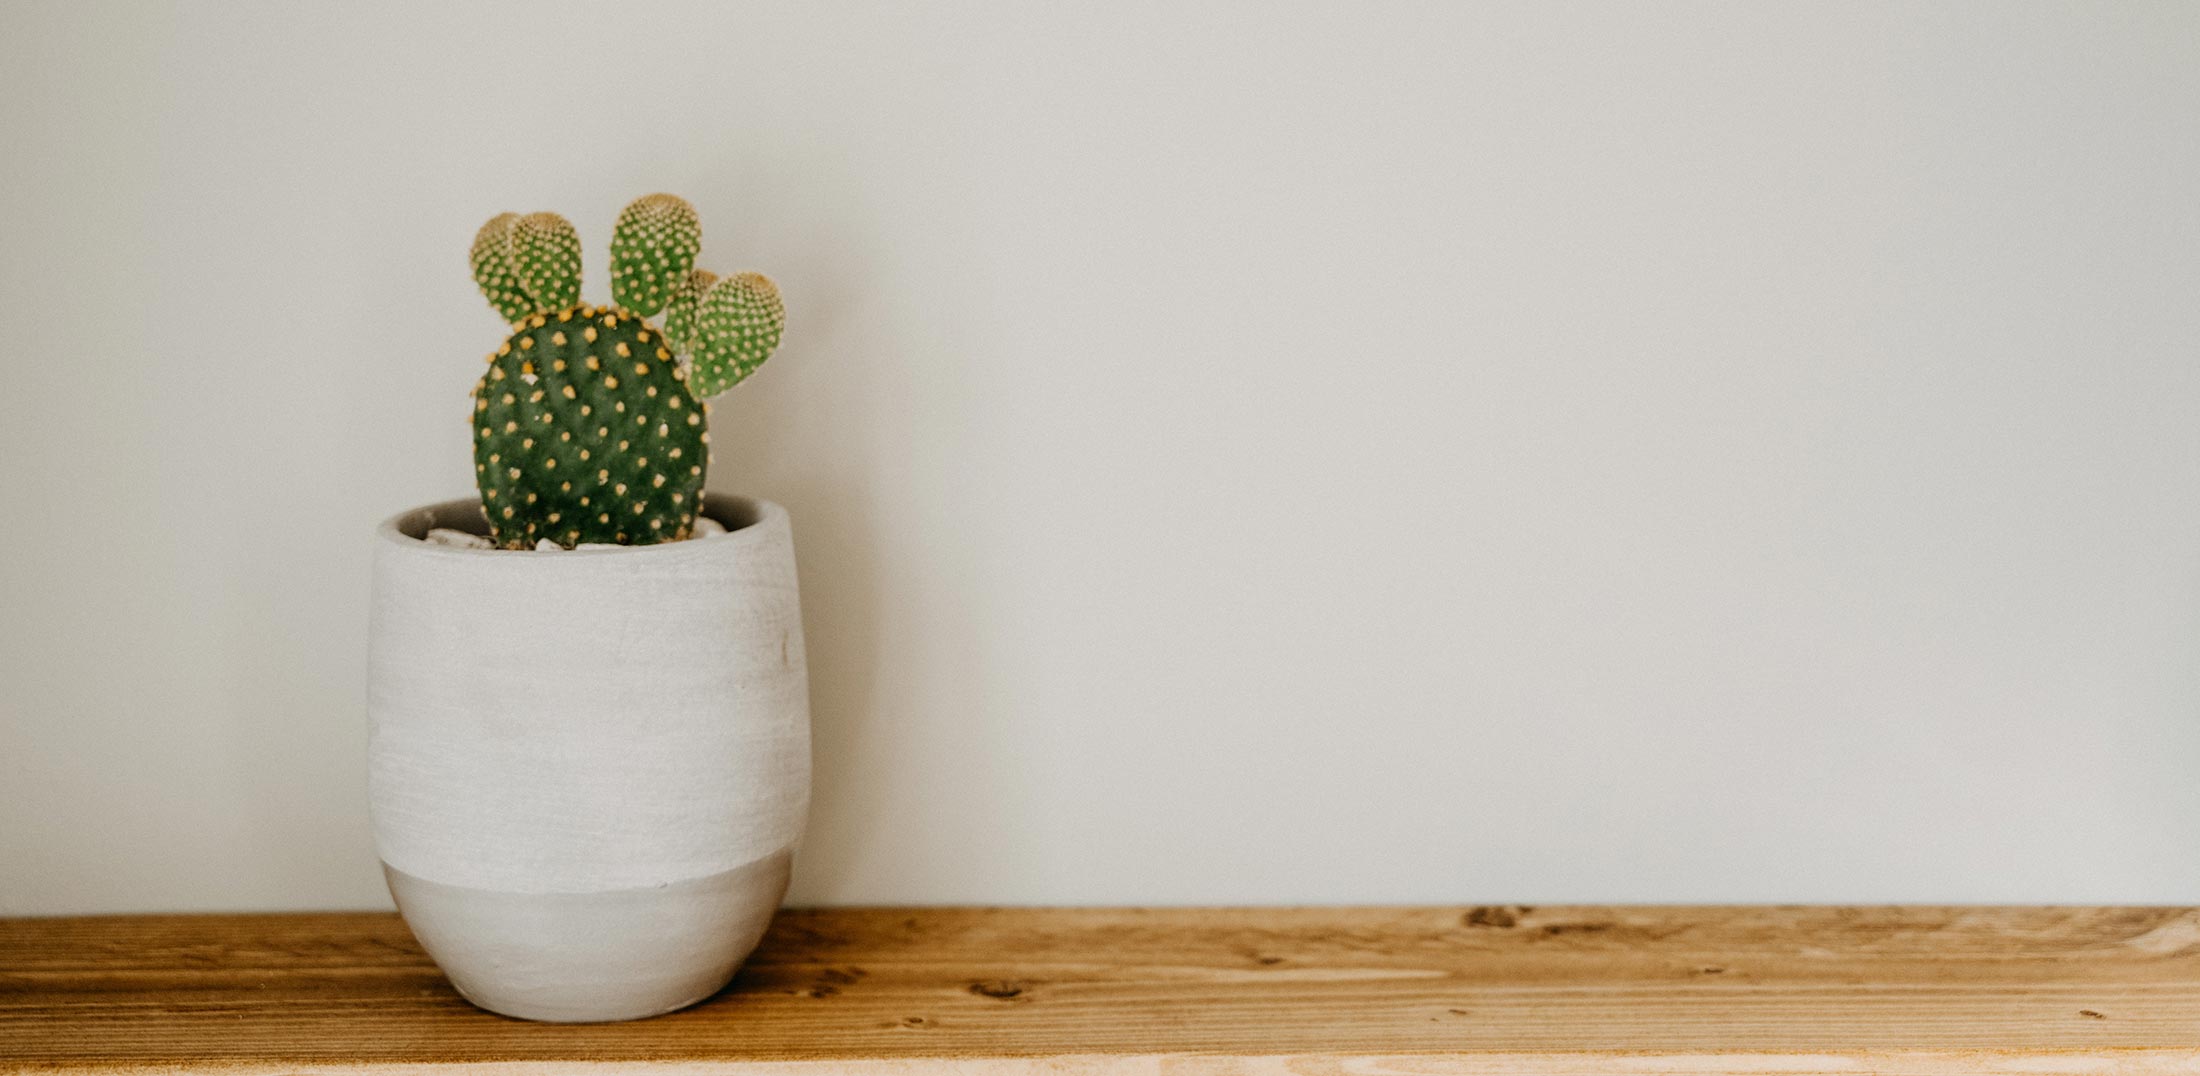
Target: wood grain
{"type": "Point", "coordinates": [1237, 992]}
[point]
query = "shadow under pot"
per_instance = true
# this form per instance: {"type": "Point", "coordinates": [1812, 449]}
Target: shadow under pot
{"type": "Point", "coordinates": [588, 769]}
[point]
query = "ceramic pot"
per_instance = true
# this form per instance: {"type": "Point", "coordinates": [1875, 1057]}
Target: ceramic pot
{"type": "Point", "coordinates": [588, 768]}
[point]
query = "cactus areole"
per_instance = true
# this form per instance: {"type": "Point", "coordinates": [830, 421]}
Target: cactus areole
{"type": "Point", "coordinates": [589, 425]}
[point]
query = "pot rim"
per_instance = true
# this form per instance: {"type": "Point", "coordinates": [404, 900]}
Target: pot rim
{"type": "Point", "coordinates": [747, 525]}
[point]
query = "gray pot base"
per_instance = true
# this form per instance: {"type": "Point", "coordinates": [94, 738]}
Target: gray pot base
{"type": "Point", "coordinates": [588, 957]}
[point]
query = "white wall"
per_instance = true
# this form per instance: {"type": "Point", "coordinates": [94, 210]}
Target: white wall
{"type": "Point", "coordinates": [1239, 453]}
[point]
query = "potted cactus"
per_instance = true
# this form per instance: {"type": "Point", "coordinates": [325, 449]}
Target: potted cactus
{"type": "Point", "coordinates": [589, 711]}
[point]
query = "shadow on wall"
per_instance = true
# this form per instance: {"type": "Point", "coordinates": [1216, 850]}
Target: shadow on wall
{"type": "Point", "coordinates": [766, 435]}
{"type": "Point", "coordinates": [835, 525]}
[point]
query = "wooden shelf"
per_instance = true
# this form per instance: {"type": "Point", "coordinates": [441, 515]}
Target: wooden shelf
{"type": "Point", "coordinates": [1304, 991]}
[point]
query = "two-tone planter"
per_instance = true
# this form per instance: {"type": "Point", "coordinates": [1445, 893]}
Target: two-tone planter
{"type": "Point", "coordinates": [588, 768]}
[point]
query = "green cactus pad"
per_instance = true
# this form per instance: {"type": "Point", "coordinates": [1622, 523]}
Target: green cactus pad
{"type": "Point", "coordinates": [652, 248]}
{"type": "Point", "coordinates": [546, 260]}
{"type": "Point", "coordinates": [585, 431]}
{"type": "Point", "coordinates": [681, 327]}
{"type": "Point", "coordinates": [741, 319]}
{"type": "Point", "coordinates": [492, 258]}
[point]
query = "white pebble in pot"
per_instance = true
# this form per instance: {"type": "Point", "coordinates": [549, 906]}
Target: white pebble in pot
{"type": "Point", "coordinates": [457, 538]}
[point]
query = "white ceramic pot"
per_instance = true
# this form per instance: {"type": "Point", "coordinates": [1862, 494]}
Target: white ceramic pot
{"type": "Point", "coordinates": [588, 768]}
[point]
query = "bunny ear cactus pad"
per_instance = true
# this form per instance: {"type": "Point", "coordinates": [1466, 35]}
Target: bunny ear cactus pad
{"type": "Point", "coordinates": [584, 431]}
{"type": "Point", "coordinates": [492, 258]}
{"type": "Point", "coordinates": [652, 248]}
{"type": "Point", "coordinates": [681, 326]}
{"type": "Point", "coordinates": [546, 260]}
{"type": "Point", "coordinates": [741, 319]}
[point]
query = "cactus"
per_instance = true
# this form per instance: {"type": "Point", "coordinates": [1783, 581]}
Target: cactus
{"type": "Point", "coordinates": [738, 322]}
{"type": "Point", "coordinates": [680, 325]}
{"type": "Point", "coordinates": [492, 258]}
{"type": "Point", "coordinates": [652, 248]}
{"type": "Point", "coordinates": [588, 427]}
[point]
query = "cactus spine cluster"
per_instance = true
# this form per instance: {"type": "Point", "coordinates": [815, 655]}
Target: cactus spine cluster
{"type": "Point", "coordinates": [588, 424]}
